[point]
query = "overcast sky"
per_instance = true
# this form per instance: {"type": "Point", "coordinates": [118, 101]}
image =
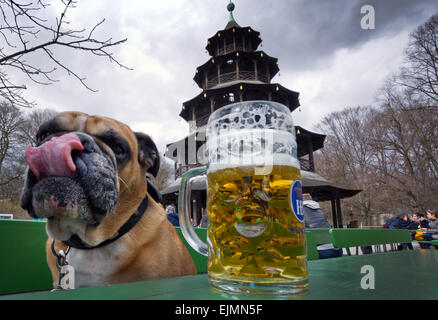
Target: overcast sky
{"type": "Point", "coordinates": [323, 54]}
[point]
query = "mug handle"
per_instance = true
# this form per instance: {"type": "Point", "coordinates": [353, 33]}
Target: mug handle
{"type": "Point", "coordinates": [185, 191]}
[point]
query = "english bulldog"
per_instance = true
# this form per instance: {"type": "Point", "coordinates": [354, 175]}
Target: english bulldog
{"type": "Point", "coordinates": [87, 177]}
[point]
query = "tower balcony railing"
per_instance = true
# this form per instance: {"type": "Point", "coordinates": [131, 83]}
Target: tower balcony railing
{"type": "Point", "coordinates": [200, 122]}
{"type": "Point", "coordinates": [233, 76]}
{"type": "Point", "coordinates": [229, 48]}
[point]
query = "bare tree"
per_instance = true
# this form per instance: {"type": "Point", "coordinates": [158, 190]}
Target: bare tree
{"type": "Point", "coordinates": [419, 75]}
{"type": "Point", "coordinates": [347, 155]}
{"type": "Point", "coordinates": [409, 145]}
{"type": "Point", "coordinates": [25, 29]}
{"type": "Point", "coordinates": [18, 130]}
{"type": "Point", "coordinates": [32, 121]}
{"type": "Point", "coordinates": [391, 151]}
{"type": "Point", "coordinates": [10, 121]}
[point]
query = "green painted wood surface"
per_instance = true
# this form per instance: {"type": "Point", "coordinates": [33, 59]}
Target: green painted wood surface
{"type": "Point", "coordinates": [431, 242]}
{"type": "Point", "coordinates": [406, 275]}
{"type": "Point", "coordinates": [199, 259]}
{"type": "Point", "coordinates": [312, 252]}
{"type": "Point", "coordinates": [343, 238]}
{"type": "Point", "coordinates": [23, 265]}
{"type": "Point", "coordinates": [22, 252]}
{"type": "Point", "coordinates": [321, 235]}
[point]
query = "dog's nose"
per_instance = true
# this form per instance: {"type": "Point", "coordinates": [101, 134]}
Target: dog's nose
{"type": "Point", "coordinates": [53, 158]}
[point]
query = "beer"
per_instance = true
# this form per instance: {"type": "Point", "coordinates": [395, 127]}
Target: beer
{"type": "Point", "coordinates": [256, 239]}
{"type": "Point", "coordinates": [253, 233]}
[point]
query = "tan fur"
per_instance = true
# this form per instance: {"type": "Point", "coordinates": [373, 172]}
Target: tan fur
{"type": "Point", "coordinates": [153, 247]}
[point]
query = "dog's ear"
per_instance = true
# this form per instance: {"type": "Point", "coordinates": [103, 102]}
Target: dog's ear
{"type": "Point", "coordinates": [148, 155]}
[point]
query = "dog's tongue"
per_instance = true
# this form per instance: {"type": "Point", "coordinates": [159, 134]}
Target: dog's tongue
{"type": "Point", "coordinates": [53, 158]}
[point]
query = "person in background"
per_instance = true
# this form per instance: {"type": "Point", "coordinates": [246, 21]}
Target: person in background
{"type": "Point", "coordinates": [172, 215]}
{"type": "Point", "coordinates": [419, 222]}
{"type": "Point", "coordinates": [389, 222]}
{"type": "Point", "coordinates": [402, 221]}
{"type": "Point", "coordinates": [315, 218]}
{"type": "Point", "coordinates": [419, 219]}
{"type": "Point", "coordinates": [432, 217]}
{"type": "Point", "coordinates": [204, 219]}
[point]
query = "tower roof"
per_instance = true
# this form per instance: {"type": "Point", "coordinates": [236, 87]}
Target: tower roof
{"type": "Point", "coordinates": [271, 63]}
{"type": "Point", "coordinates": [279, 93]}
{"type": "Point", "coordinates": [231, 24]}
{"type": "Point", "coordinates": [252, 38]}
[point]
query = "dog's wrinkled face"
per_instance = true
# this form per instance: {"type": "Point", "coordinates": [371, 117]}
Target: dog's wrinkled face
{"type": "Point", "coordinates": [80, 169]}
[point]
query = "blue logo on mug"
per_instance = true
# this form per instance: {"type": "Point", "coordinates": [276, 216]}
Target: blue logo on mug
{"type": "Point", "coordinates": [296, 199]}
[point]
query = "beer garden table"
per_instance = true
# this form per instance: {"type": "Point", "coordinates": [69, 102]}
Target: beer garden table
{"type": "Point", "coordinates": [397, 276]}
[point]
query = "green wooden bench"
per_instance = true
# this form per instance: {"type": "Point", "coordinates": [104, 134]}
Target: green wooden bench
{"type": "Point", "coordinates": [312, 252]}
{"type": "Point", "coordinates": [431, 242]}
{"type": "Point", "coordinates": [199, 259]}
{"type": "Point", "coordinates": [23, 266]}
{"type": "Point", "coordinates": [347, 238]}
{"type": "Point", "coordinates": [321, 235]}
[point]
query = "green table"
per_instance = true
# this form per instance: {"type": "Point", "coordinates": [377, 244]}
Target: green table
{"type": "Point", "coordinates": [398, 275]}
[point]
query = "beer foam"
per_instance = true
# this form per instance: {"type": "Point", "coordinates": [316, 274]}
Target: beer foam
{"type": "Point", "coordinates": [251, 147]}
{"type": "Point", "coordinates": [251, 115]}
{"type": "Point", "coordinates": [251, 133]}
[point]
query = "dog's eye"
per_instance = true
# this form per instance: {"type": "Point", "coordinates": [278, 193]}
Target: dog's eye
{"type": "Point", "coordinates": [118, 150]}
{"type": "Point", "coordinates": [118, 145]}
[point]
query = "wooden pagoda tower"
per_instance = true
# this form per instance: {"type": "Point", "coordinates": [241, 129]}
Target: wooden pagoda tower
{"type": "Point", "coordinates": [238, 71]}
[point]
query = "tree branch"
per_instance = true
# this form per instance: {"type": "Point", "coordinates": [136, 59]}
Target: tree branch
{"type": "Point", "coordinates": [25, 32]}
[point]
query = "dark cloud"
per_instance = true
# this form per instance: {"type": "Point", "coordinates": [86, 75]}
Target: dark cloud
{"type": "Point", "coordinates": [166, 42]}
{"type": "Point", "coordinates": [308, 32]}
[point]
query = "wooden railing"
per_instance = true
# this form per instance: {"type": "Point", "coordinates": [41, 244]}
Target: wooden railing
{"type": "Point", "coordinates": [202, 121]}
{"type": "Point", "coordinates": [229, 48]}
{"type": "Point", "coordinates": [233, 76]}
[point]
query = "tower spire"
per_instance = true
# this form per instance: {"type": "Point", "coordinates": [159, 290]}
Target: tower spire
{"type": "Point", "coordinates": [231, 22]}
{"type": "Point", "coordinates": [230, 8]}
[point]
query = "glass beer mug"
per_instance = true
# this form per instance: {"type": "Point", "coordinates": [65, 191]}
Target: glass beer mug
{"type": "Point", "coordinates": [256, 235]}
